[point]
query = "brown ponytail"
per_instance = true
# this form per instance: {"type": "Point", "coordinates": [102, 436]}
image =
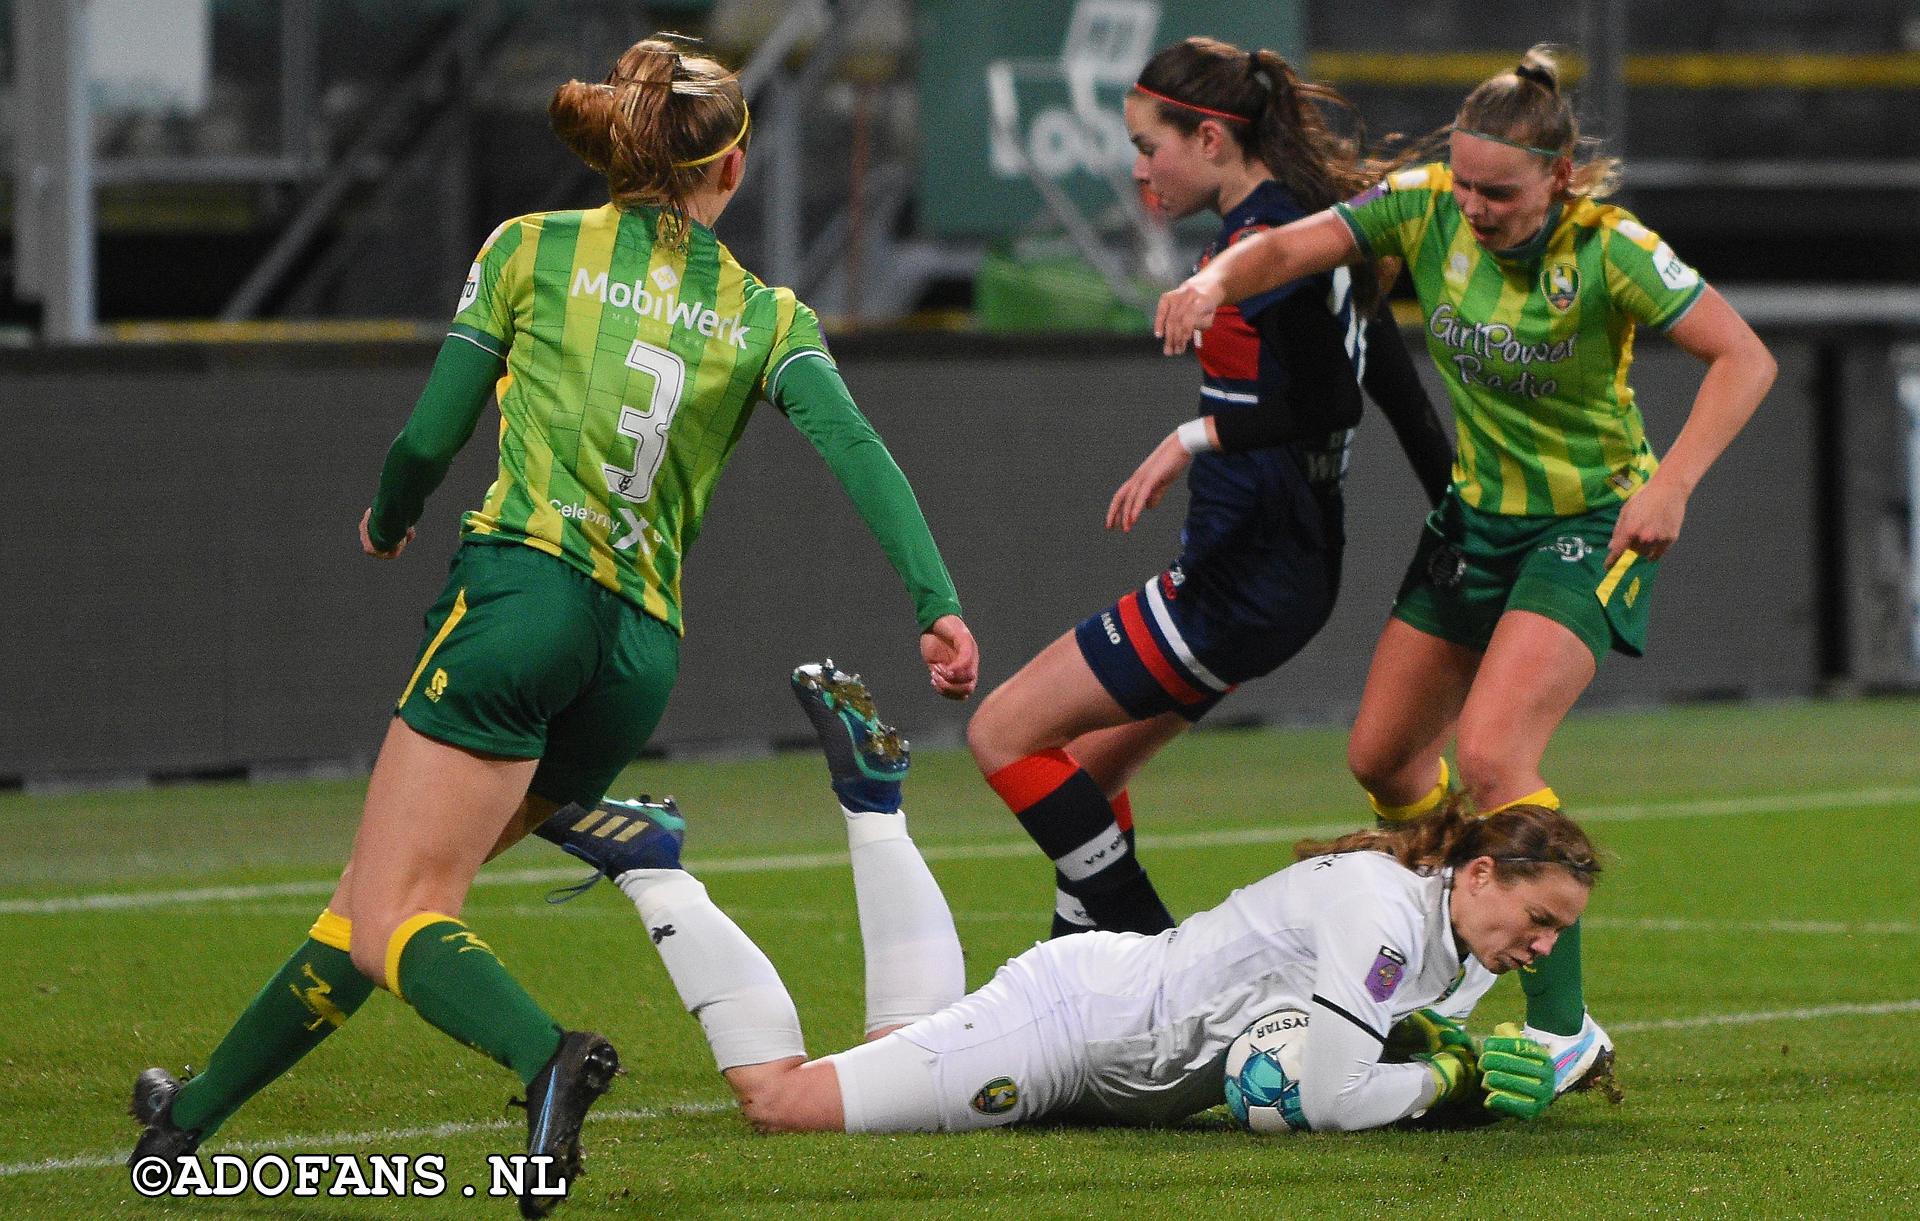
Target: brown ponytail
{"type": "Point", "coordinates": [654, 127]}
{"type": "Point", "coordinates": [1272, 115]}
{"type": "Point", "coordinates": [1523, 840]}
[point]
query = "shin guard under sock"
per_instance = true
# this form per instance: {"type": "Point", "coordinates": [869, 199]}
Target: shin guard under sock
{"type": "Point", "coordinates": [1064, 811]}
{"type": "Point", "coordinates": [311, 996]}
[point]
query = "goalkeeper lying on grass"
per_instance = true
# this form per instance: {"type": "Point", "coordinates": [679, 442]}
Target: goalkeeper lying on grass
{"type": "Point", "coordinates": [1373, 935]}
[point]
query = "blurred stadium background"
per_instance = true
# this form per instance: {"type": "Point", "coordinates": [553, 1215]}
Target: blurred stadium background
{"type": "Point", "coordinates": [234, 230]}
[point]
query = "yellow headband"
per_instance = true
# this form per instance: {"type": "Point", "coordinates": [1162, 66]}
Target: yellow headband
{"type": "Point", "coordinates": [745, 119]}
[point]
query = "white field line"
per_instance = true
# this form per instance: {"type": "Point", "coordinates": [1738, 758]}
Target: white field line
{"type": "Point", "coordinates": [1831, 928]}
{"type": "Point", "coordinates": [336, 1141]}
{"type": "Point", "coordinates": [965, 915]}
{"type": "Point", "coordinates": [996, 850]}
{"type": "Point", "coordinates": [1812, 1013]}
{"type": "Point", "coordinates": [388, 1137]}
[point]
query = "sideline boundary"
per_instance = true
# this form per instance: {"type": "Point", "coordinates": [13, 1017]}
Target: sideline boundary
{"type": "Point", "coordinates": [1713, 807]}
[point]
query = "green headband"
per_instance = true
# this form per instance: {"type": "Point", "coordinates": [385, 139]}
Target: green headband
{"type": "Point", "coordinates": [1525, 148]}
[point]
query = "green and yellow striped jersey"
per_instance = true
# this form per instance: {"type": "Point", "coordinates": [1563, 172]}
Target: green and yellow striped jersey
{"type": "Point", "coordinates": [1533, 344]}
{"type": "Point", "coordinates": [631, 369]}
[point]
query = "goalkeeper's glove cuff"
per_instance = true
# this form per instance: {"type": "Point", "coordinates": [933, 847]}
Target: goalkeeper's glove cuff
{"type": "Point", "coordinates": [1453, 1072]}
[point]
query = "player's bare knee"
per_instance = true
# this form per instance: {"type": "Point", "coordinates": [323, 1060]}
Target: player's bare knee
{"type": "Point", "coordinates": [368, 949]}
{"type": "Point", "coordinates": [1377, 767]}
{"type": "Point", "coordinates": [1364, 764]}
{"type": "Point", "coordinates": [766, 1113]}
{"type": "Point", "coordinates": [987, 735]}
{"type": "Point", "coordinates": [785, 1102]}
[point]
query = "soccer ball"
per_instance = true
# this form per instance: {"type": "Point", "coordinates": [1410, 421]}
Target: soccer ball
{"type": "Point", "coordinates": [1263, 1073]}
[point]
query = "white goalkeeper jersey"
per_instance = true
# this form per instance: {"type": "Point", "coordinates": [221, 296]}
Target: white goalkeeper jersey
{"type": "Point", "coordinates": [1356, 940]}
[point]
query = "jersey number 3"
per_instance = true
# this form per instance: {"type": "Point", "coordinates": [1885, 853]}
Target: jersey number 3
{"type": "Point", "coordinates": [647, 427]}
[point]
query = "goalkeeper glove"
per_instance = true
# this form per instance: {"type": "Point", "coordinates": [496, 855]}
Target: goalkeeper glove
{"type": "Point", "coordinates": [1516, 1074]}
{"type": "Point", "coordinates": [1425, 1032]}
{"type": "Point", "coordinates": [1453, 1069]}
{"type": "Point", "coordinates": [1441, 1044]}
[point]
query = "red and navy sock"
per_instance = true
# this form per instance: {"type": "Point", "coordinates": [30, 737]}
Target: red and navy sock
{"type": "Point", "coordinates": [1064, 811]}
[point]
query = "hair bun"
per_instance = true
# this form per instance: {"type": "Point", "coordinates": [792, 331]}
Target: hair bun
{"type": "Point", "coordinates": [1539, 75]}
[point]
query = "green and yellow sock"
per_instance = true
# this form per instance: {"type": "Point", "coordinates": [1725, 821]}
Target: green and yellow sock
{"type": "Point", "coordinates": [455, 982]}
{"type": "Point", "coordinates": [310, 997]}
{"type": "Point", "coordinates": [1390, 816]}
{"type": "Point", "coordinates": [1546, 798]}
{"type": "Point", "coordinates": [1556, 999]}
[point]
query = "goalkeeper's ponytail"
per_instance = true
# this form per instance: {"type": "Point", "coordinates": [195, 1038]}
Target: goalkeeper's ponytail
{"type": "Point", "coordinates": [1522, 840]}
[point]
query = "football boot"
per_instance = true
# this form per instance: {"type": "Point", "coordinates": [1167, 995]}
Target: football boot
{"type": "Point", "coordinates": [866, 759]}
{"type": "Point", "coordinates": [582, 1069]}
{"type": "Point", "coordinates": [617, 836]}
{"type": "Point", "coordinates": [1581, 1061]}
{"type": "Point", "coordinates": [152, 1108]}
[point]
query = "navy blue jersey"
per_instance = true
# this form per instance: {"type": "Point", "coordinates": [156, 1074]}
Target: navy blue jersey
{"type": "Point", "coordinates": [1286, 362]}
{"type": "Point", "coordinates": [1259, 563]}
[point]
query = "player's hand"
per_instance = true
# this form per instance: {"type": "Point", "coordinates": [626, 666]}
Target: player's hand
{"type": "Point", "coordinates": [366, 540]}
{"type": "Point", "coordinates": [1443, 1045]}
{"type": "Point", "coordinates": [1186, 311]}
{"type": "Point", "coordinates": [1426, 1032]}
{"type": "Point", "coordinates": [1453, 1068]}
{"type": "Point", "coordinates": [1649, 522]}
{"type": "Point", "coordinates": [1516, 1073]}
{"type": "Point", "coordinates": [952, 657]}
{"type": "Point", "coordinates": [1148, 483]}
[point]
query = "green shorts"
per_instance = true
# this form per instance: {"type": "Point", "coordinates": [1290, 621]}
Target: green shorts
{"type": "Point", "coordinates": [526, 657]}
{"type": "Point", "coordinates": [1472, 567]}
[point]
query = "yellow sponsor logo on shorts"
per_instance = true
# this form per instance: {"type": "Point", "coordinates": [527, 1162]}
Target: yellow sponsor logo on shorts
{"type": "Point", "coordinates": [1633, 591]}
{"type": "Point", "coordinates": [437, 685]}
{"type": "Point", "coordinates": [453, 618]}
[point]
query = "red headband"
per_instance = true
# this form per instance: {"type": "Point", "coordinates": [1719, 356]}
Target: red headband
{"type": "Point", "coordinates": [1218, 114]}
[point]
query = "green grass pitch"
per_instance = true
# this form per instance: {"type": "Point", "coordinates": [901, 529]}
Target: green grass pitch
{"type": "Point", "coordinates": [1754, 947]}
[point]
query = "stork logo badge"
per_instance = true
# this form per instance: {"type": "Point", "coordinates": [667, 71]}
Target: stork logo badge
{"type": "Point", "coordinates": [318, 1000]}
{"type": "Point", "coordinates": [469, 942]}
{"type": "Point", "coordinates": [997, 1097]}
{"type": "Point", "coordinates": [1560, 284]}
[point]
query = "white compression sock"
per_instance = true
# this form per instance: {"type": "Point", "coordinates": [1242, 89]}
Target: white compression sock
{"type": "Point", "coordinates": [912, 951]}
{"type": "Point", "coordinates": [722, 976]}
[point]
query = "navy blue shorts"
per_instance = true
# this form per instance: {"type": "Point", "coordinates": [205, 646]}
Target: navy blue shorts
{"type": "Point", "coordinates": [1186, 638]}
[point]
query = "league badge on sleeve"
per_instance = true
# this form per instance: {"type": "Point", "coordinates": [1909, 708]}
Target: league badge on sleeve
{"type": "Point", "coordinates": [1673, 273]}
{"type": "Point", "coordinates": [1377, 191]}
{"type": "Point", "coordinates": [470, 289]}
{"type": "Point", "coordinates": [1384, 975]}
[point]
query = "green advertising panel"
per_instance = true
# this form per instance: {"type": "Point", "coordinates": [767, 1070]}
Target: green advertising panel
{"type": "Point", "coordinates": [1011, 88]}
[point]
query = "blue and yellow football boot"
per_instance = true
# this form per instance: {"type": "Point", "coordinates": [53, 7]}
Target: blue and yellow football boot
{"type": "Point", "coordinates": [866, 759]}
